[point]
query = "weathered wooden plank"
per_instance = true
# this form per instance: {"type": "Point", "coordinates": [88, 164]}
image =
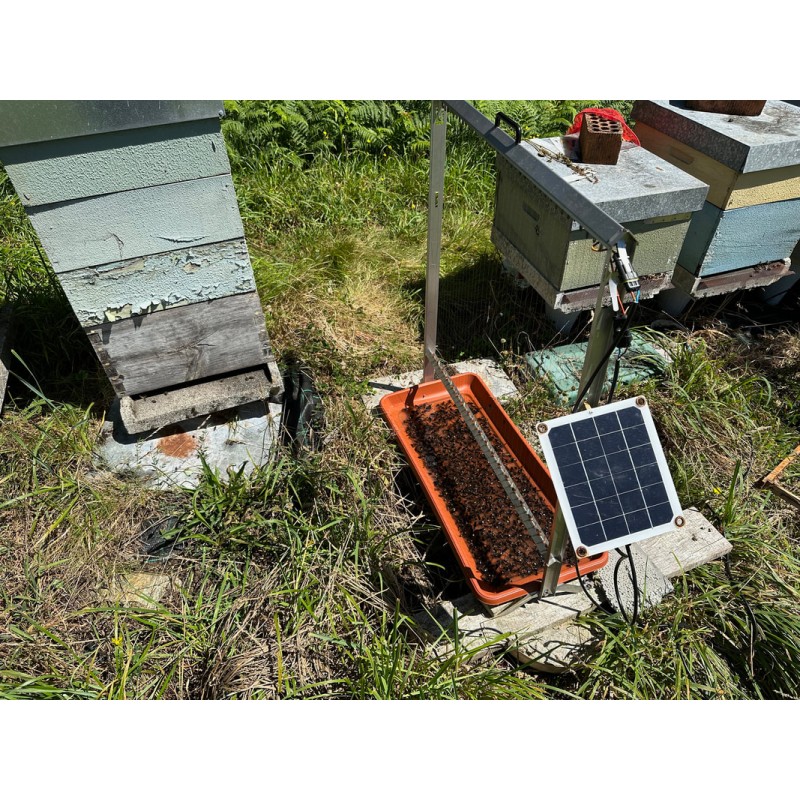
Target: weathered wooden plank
{"type": "Point", "coordinates": [169, 348]}
{"type": "Point", "coordinates": [123, 225]}
{"type": "Point", "coordinates": [720, 241]}
{"type": "Point", "coordinates": [188, 402]}
{"type": "Point", "coordinates": [156, 282]}
{"type": "Point", "coordinates": [727, 189]}
{"type": "Point", "coordinates": [86, 166]}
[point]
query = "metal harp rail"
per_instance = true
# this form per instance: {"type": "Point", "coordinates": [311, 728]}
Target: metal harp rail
{"type": "Point", "coordinates": [541, 540]}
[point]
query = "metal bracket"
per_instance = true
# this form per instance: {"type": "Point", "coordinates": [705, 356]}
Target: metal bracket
{"type": "Point", "coordinates": [506, 481]}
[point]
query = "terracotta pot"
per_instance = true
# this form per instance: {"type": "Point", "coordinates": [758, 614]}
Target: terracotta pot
{"type": "Point", "coordinates": [475, 391]}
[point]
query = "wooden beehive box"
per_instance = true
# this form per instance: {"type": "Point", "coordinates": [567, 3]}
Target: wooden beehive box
{"type": "Point", "coordinates": [136, 209]}
{"type": "Point", "coordinates": [752, 167]}
{"type": "Point", "coordinates": [653, 199]}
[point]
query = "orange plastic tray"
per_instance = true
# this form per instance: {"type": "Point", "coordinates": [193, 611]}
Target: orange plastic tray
{"type": "Point", "coordinates": [475, 390]}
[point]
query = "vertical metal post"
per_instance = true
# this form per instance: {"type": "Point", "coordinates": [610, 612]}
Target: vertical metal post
{"type": "Point", "coordinates": [600, 338]}
{"type": "Point", "coordinates": [435, 203]}
{"type": "Point", "coordinates": [555, 557]}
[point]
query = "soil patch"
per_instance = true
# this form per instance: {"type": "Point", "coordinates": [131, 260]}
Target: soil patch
{"type": "Point", "coordinates": [501, 546]}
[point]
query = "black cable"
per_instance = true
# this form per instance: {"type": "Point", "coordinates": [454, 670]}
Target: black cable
{"type": "Point", "coordinates": [586, 591]}
{"type": "Point", "coordinates": [635, 617]}
{"type": "Point", "coordinates": [615, 378]}
{"type": "Point", "coordinates": [616, 590]}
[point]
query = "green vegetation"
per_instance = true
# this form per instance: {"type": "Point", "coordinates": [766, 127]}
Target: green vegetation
{"type": "Point", "coordinates": [302, 579]}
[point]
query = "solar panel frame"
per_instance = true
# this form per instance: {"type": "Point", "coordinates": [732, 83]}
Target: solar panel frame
{"type": "Point", "coordinates": [601, 497]}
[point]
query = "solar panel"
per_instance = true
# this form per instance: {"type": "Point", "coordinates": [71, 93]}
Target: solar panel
{"type": "Point", "coordinates": [610, 475]}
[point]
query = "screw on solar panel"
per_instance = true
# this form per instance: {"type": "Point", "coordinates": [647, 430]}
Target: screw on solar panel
{"type": "Point", "coordinates": [610, 475]}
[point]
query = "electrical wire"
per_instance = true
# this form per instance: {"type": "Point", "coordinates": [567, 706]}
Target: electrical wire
{"type": "Point", "coordinates": [586, 591]}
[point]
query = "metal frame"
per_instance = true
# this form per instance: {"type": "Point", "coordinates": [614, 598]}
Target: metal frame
{"type": "Point", "coordinates": [593, 220]}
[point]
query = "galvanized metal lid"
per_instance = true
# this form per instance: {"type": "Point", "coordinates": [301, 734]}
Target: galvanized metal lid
{"type": "Point", "coordinates": [26, 121]}
{"type": "Point", "coordinates": [639, 186]}
{"type": "Point", "coordinates": [745, 144]}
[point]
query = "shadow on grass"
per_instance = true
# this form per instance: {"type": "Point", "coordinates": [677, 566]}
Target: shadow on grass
{"type": "Point", "coordinates": [483, 311]}
{"type": "Point", "coordinates": [50, 351]}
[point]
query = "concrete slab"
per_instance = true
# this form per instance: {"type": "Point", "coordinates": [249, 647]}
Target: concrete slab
{"type": "Point", "coordinates": [745, 144]}
{"type": "Point", "coordinates": [501, 385]}
{"type": "Point", "coordinates": [543, 633]}
{"type": "Point", "coordinates": [172, 457]}
{"type": "Point", "coordinates": [653, 584]}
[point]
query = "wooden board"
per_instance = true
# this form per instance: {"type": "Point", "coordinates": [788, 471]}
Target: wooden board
{"type": "Point", "coordinates": [721, 241]}
{"type": "Point", "coordinates": [156, 282]}
{"type": "Point", "coordinates": [169, 348]}
{"type": "Point", "coordinates": [123, 225]}
{"type": "Point", "coordinates": [727, 189]}
{"type": "Point", "coordinates": [87, 166]}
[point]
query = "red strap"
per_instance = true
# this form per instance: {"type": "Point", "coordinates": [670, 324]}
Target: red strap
{"type": "Point", "coordinates": [609, 113]}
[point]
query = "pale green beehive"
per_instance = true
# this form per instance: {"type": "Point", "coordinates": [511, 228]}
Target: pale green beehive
{"type": "Point", "coordinates": [650, 197]}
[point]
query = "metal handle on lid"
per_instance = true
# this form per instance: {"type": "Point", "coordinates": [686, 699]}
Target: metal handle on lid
{"type": "Point", "coordinates": [515, 125]}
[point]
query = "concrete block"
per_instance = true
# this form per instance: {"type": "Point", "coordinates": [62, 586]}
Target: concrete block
{"type": "Point", "coordinates": [745, 144]}
{"type": "Point", "coordinates": [722, 241]}
{"type": "Point", "coordinates": [652, 583]}
{"type": "Point", "coordinates": [138, 589]}
{"type": "Point", "coordinates": [86, 166]}
{"type": "Point", "coordinates": [156, 282]}
{"type": "Point", "coordinates": [125, 225]}
{"type": "Point", "coordinates": [501, 385]}
{"type": "Point", "coordinates": [172, 457]}
{"type": "Point", "coordinates": [558, 649]}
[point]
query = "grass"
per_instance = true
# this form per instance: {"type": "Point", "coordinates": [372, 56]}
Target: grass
{"type": "Point", "coordinates": [302, 579]}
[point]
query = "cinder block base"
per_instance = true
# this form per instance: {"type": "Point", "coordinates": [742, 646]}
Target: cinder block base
{"type": "Point", "coordinates": [173, 457]}
{"type": "Point", "coordinates": [501, 385]}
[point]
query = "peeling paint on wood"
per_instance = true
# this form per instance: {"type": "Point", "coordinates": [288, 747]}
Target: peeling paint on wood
{"type": "Point", "coordinates": [157, 282]}
{"type": "Point", "coordinates": [125, 225]}
{"type": "Point", "coordinates": [86, 166]}
{"type": "Point", "coordinates": [188, 343]}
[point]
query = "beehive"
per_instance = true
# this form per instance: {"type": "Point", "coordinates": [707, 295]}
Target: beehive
{"type": "Point", "coordinates": [752, 165]}
{"type": "Point", "coordinates": [136, 209]}
{"type": "Point", "coordinates": [652, 198]}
